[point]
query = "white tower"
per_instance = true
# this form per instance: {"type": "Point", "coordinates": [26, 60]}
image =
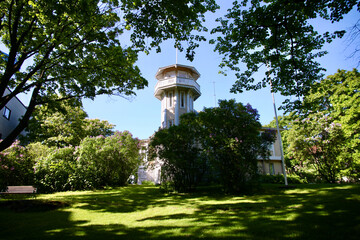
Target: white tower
{"type": "Point", "coordinates": [177, 90]}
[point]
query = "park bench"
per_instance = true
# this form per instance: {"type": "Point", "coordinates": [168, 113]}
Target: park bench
{"type": "Point", "coordinates": [20, 190]}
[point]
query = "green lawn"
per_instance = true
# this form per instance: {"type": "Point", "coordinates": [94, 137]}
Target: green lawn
{"type": "Point", "coordinates": [139, 212]}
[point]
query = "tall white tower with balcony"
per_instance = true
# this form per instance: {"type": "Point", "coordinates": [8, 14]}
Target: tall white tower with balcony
{"type": "Point", "coordinates": [177, 90]}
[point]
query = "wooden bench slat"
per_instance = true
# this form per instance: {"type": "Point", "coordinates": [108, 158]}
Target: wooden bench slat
{"type": "Point", "coordinates": [20, 190]}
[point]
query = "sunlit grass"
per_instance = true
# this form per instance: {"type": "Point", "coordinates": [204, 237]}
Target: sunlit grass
{"type": "Point", "coordinates": [137, 212]}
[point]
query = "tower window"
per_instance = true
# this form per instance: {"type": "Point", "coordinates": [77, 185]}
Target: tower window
{"type": "Point", "coordinates": [171, 122]}
{"type": "Point", "coordinates": [183, 74]}
{"type": "Point", "coordinates": [191, 104]}
{"type": "Point", "coordinates": [182, 99]}
{"type": "Point", "coordinates": [7, 113]}
{"type": "Point", "coordinates": [170, 99]}
{"type": "Point", "coordinates": [271, 169]}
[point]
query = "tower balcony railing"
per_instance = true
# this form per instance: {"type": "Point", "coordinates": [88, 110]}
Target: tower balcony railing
{"type": "Point", "coordinates": [177, 82]}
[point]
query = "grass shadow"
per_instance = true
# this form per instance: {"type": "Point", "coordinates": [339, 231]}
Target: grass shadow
{"type": "Point", "coordinates": [137, 212]}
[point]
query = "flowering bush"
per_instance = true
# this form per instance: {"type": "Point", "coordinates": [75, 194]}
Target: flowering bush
{"type": "Point", "coordinates": [16, 167]}
{"type": "Point", "coordinates": [317, 143]}
{"type": "Point", "coordinates": [97, 162]}
{"type": "Point", "coordinates": [109, 160]}
{"type": "Point", "coordinates": [56, 171]}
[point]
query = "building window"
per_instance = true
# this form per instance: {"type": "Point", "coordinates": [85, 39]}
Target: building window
{"type": "Point", "coordinates": [190, 103]}
{"type": "Point", "coordinates": [170, 75]}
{"type": "Point", "coordinates": [183, 74]}
{"type": "Point", "coordinates": [7, 113]}
{"type": "Point", "coordinates": [272, 149]}
{"type": "Point", "coordinates": [182, 99]}
{"type": "Point", "coordinates": [170, 99]}
{"type": "Point", "coordinates": [271, 169]}
{"type": "Point", "coordinates": [171, 122]}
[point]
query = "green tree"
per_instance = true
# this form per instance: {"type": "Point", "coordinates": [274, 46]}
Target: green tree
{"type": "Point", "coordinates": [225, 141]}
{"type": "Point", "coordinates": [232, 141]}
{"type": "Point", "coordinates": [317, 143]}
{"type": "Point", "coordinates": [72, 48]}
{"type": "Point", "coordinates": [183, 162]}
{"type": "Point", "coordinates": [338, 97]}
{"type": "Point", "coordinates": [107, 161]}
{"type": "Point", "coordinates": [283, 122]}
{"type": "Point", "coordinates": [56, 171]}
{"type": "Point", "coordinates": [277, 34]}
{"type": "Point", "coordinates": [323, 138]}
{"type": "Point", "coordinates": [63, 124]}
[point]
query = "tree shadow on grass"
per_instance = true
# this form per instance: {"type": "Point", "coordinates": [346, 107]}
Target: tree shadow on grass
{"type": "Point", "coordinates": [309, 213]}
{"type": "Point", "coordinates": [124, 200]}
{"type": "Point", "coordinates": [319, 214]}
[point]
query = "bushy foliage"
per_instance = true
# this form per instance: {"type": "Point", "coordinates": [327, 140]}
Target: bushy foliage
{"type": "Point", "coordinates": [107, 160]}
{"type": "Point", "coordinates": [56, 171]}
{"type": "Point", "coordinates": [322, 140]}
{"type": "Point", "coordinates": [184, 164]}
{"type": "Point", "coordinates": [317, 142]}
{"type": "Point", "coordinates": [63, 124]}
{"type": "Point", "coordinates": [147, 183]}
{"type": "Point", "coordinates": [16, 167]}
{"type": "Point", "coordinates": [233, 143]}
{"type": "Point", "coordinates": [224, 143]}
{"type": "Point", "coordinates": [97, 162]}
{"type": "Point", "coordinates": [279, 179]}
{"type": "Point", "coordinates": [338, 97]}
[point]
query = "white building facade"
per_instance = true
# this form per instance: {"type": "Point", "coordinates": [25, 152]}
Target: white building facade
{"type": "Point", "coordinates": [10, 115]}
{"type": "Point", "coordinates": [177, 89]}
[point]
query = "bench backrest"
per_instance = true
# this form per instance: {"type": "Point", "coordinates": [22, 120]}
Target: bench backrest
{"type": "Point", "coordinates": [21, 189]}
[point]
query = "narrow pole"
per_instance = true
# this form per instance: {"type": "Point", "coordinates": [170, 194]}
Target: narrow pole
{"type": "Point", "coordinates": [279, 134]}
{"type": "Point", "coordinates": [176, 55]}
{"type": "Point", "coordinates": [278, 128]}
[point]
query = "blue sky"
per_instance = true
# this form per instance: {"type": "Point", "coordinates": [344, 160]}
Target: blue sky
{"type": "Point", "coordinates": [141, 115]}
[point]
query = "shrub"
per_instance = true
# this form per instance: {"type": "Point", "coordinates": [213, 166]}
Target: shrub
{"type": "Point", "coordinates": [183, 164]}
{"type": "Point", "coordinates": [16, 167]}
{"type": "Point", "coordinates": [55, 172]}
{"type": "Point", "coordinates": [279, 179]}
{"type": "Point", "coordinates": [147, 183]}
{"type": "Point", "coordinates": [220, 143]}
{"type": "Point", "coordinates": [107, 161]}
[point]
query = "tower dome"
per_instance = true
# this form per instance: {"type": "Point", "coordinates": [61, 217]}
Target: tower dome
{"type": "Point", "coordinates": [177, 90]}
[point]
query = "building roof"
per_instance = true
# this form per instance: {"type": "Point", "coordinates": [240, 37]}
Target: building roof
{"type": "Point", "coordinates": [162, 70]}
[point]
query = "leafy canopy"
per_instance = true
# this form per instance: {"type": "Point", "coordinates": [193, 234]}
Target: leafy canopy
{"type": "Point", "coordinates": [277, 35]}
{"type": "Point", "coordinates": [338, 97]}
{"type": "Point", "coordinates": [323, 138]}
{"type": "Point", "coordinates": [64, 124]}
{"type": "Point", "coordinates": [72, 48]}
{"type": "Point", "coordinates": [220, 144]}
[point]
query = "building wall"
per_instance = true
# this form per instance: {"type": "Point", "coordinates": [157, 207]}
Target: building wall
{"type": "Point", "coordinates": [171, 103]}
{"type": "Point", "coordinates": [271, 166]}
{"type": "Point", "coordinates": [17, 110]}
